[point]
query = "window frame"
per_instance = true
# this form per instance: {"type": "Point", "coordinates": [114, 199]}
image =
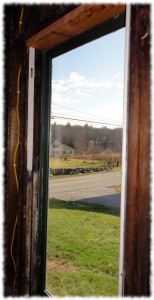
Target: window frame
{"type": "Point", "coordinates": [46, 98]}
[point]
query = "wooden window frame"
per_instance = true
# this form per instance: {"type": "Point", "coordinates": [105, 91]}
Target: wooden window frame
{"type": "Point", "coordinates": [135, 236]}
{"type": "Point", "coordinates": [27, 205]}
{"type": "Point", "coordinates": [105, 28]}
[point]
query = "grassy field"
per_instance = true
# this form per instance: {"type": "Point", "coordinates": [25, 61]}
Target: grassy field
{"type": "Point", "coordinates": [76, 163]}
{"type": "Point", "coordinates": [83, 249]}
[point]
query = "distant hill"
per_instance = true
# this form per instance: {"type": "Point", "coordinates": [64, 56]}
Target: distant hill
{"type": "Point", "coordinates": [88, 138]}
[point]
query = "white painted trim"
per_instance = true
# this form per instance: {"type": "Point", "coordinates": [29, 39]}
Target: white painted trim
{"type": "Point", "coordinates": [124, 154]}
{"type": "Point", "coordinates": [30, 125]}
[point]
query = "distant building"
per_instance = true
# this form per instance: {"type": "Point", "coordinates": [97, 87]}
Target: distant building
{"type": "Point", "coordinates": [57, 149]}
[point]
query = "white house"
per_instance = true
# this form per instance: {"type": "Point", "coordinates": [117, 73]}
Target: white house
{"type": "Point", "coordinates": [57, 149]}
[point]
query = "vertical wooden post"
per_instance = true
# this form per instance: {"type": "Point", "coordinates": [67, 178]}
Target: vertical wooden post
{"type": "Point", "coordinates": [14, 154]}
{"type": "Point", "coordinates": [137, 239]}
{"type": "Point", "coordinates": [36, 172]}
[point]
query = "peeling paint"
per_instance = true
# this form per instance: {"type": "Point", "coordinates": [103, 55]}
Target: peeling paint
{"type": "Point", "coordinates": [35, 202]}
{"type": "Point", "coordinates": [29, 195]}
{"type": "Point", "coordinates": [34, 237]}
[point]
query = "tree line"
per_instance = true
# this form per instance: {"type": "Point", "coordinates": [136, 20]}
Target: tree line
{"type": "Point", "coordinates": [88, 139]}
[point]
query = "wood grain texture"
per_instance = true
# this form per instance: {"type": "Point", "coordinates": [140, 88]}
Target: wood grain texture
{"type": "Point", "coordinates": [18, 201]}
{"type": "Point", "coordinates": [79, 20]}
{"type": "Point", "coordinates": [37, 17]}
{"type": "Point", "coordinates": [137, 249]}
{"type": "Point", "coordinates": [11, 131]}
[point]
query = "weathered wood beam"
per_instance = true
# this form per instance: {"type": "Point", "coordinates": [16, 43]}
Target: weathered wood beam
{"type": "Point", "coordinates": [79, 20]}
{"type": "Point", "coordinates": [137, 234]}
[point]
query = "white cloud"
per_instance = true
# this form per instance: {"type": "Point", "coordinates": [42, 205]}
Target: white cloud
{"type": "Point", "coordinates": [77, 86]}
{"type": "Point", "coordinates": [117, 75]}
{"type": "Point", "coordinates": [57, 88]}
{"type": "Point", "coordinates": [75, 77]}
{"type": "Point", "coordinates": [59, 98]}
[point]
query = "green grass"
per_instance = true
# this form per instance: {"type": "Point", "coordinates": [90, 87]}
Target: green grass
{"type": "Point", "coordinates": [83, 249]}
{"type": "Point", "coordinates": [75, 163]}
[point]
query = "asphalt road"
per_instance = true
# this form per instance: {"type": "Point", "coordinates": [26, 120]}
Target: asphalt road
{"type": "Point", "coordinates": [94, 188]}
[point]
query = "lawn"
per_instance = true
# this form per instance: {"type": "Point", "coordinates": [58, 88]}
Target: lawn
{"type": "Point", "coordinates": [83, 249]}
{"type": "Point", "coordinates": [75, 163]}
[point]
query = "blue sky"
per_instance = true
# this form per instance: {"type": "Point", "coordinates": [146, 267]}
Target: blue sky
{"type": "Point", "coordinates": [89, 80]}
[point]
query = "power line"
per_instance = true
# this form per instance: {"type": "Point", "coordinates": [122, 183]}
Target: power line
{"type": "Point", "coordinates": [82, 112]}
{"type": "Point", "coordinates": [66, 115]}
{"type": "Point", "coordinates": [75, 119]}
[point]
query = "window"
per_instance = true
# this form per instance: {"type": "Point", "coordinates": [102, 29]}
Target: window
{"type": "Point", "coordinates": [47, 66]}
{"type": "Point", "coordinates": [72, 252]}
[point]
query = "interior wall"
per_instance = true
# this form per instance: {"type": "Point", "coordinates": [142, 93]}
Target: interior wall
{"type": "Point", "coordinates": [15, 200]}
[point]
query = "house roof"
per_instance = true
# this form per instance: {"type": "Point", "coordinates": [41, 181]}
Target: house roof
{"type": "Point", "coordinates": [57, 141]}
{"type": "Point", "coordinates": [68, 147]}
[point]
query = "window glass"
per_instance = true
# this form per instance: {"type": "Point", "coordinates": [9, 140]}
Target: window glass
{"type": "Point", "coordinates": [84, 192]}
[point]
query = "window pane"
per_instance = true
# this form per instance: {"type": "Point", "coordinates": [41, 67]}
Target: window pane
{"type": "Point", "coordinates": [85, 181]}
